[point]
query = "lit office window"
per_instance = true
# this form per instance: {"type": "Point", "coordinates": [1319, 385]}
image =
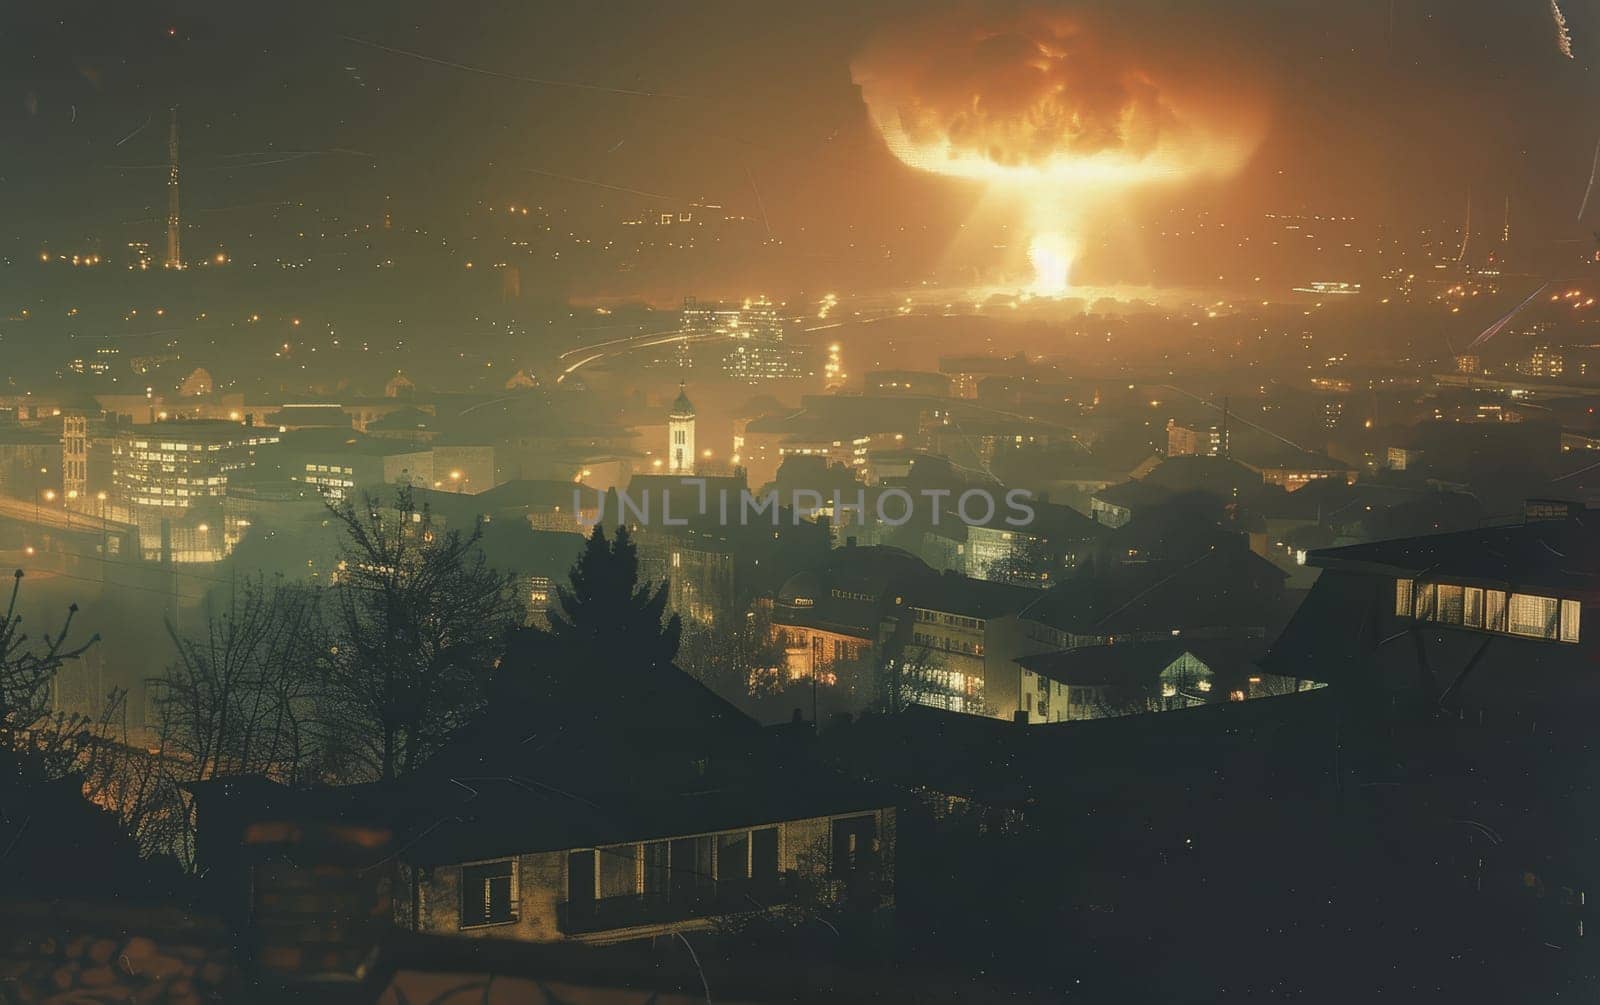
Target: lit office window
{"type": "Point", "coordinates": [1569, 620]}
{"type": "Point", "coordinates": [1494, 610]}
{"type": "Point", "coordinates": [1404, 599]}
{"type": "Point", "coordinates": [1451, 604]}
{"type": "Point", "coordinates": [1535, 617]}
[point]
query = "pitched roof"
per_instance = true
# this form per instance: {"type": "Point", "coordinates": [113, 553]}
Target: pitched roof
{"type": "Point", "coordinates": [952, 593]}
{"type": "Point", "coordinates": [1559, 554]}
{"type": "Point", "coordinates": [1107, 664]}
{"type": "Point", "coordinates": [1223, 587]}
{"type": "Point", "coordinates": [681, 405]}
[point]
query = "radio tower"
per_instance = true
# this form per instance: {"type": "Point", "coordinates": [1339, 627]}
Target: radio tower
{"type": "Point", "coordinates": [174, 257]}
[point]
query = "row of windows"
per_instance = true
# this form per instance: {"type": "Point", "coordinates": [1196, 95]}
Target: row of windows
{"type": "Point", "coordinates": [490, 894]}
{"type": "Point", "coordinates": [947, 644]}
{"type": "Point", "coordinates": [1524, 614]}
{"type": "Point", "coordinates": [954, 620]}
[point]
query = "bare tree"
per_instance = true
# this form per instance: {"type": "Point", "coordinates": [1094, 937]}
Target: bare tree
{"type": "Point", "coordinates": [911, 675]}
{"type": "Point", "coordinates": [238, 700]}
{"type": "Point", "coordinates": [418, 622]}
{"type": "Point", "coordinates": [1026, 564]}
{"type": "Point", "coordinates": [28, 723]}
{"type": "Point", "coordinates": [737, 657]}
{"type": "Point", "coordinates": [139, 782]}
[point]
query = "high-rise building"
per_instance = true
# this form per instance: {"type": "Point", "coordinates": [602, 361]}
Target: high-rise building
{"type": "Point", "coordinates": [170, 479]}
{"type": "Point", "coordinates": [680, 435]}
{"type": "Point", "coordinates": [75, 459]}
{"type": "Point", "coordinates": [174, 466]}
{"type": "Point", "coordinates": [758, 351]}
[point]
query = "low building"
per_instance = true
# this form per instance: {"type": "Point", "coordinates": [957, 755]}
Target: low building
{"type": "Point", "coordinates": [1105, 681]}
{"type": "Point", "coordinates": [832, 615]}
{"type": "Point", "coordinates": [1295, 469]}
{"type": "Point", "coordinates": [665, 818]}
{"type": "Point", "coordinates": [955, 634]}
{"type": "Point", "coordinates": [1490, 619]}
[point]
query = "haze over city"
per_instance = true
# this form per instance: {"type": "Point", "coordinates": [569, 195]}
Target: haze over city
{"type": "Point", "coordinates": [960, 501]}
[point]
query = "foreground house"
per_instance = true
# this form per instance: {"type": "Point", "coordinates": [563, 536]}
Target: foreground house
{"type": "Point", "coordinates": [1489, 620]}
{"type": "Point", "coordinates": [559, 817]}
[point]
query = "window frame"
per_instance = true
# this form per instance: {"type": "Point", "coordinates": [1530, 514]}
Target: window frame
{"type": "Point", "coordinates": [513, 901]}
{"type": "Point", "coordinates": [1486, 609]}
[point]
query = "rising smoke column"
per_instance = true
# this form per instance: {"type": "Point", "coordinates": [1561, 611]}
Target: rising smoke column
{"type": "Point", "coordinates": [1067, 110]}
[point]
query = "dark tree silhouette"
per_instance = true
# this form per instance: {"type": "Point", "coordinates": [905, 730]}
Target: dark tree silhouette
{"type": "Point", "coordinates": [419, 621]}
{"type": "Point", "coordinates": [28, 723]}
{"type": "Point", "coordinates": [605, 614]}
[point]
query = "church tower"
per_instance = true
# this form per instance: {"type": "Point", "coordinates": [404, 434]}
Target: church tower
{"type": "Point", "coordinates": [680, 436]}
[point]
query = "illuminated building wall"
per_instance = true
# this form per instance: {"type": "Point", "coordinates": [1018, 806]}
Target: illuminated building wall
{"type": "Point", "coordinates": [176, 465]}
{"type": "Point", "coordinates": [698, 572]}
{"type": "Point", "coordinates": [954, 663]}
{"type": "Point", "coordinates": [466, 469]}
{"type": "Point", "coordinates": [75, 460]}
{"type": "Point", "coordinates": [680, 435]}
{"type": "Point", "coordinates": [758, 351]}
{"type": "Point", "coordinates": [1543, 362]}
{"type": "Point", "coordinates": [540, 593]}
{"type": "Point", "coordinates": [1184, 441]}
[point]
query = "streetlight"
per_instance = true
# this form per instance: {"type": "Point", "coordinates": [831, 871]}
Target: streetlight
{"type": "Point", "coordinates": [104, 535]}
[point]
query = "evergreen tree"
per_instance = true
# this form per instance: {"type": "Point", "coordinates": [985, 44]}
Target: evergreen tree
{"type": "Point", "coordinates": [606, 615]}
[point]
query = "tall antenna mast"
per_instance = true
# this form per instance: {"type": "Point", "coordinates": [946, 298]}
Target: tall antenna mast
{"type": "Point", "coordinates": [174, 258]}
{"type": "Point", "coordinates": [1466, 231]}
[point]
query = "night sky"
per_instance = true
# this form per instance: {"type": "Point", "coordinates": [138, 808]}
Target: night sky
{"type": "Point", "coordinates": [1459, 96]}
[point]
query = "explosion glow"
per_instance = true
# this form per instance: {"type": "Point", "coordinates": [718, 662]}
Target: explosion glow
{"type": "Point", "coordinates": [1067, 113]}
{"type": "Point", "coordinates": [1051, 258]}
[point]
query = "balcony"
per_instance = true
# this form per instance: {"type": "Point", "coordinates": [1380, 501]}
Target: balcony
{"type": "Point", "coordinates": [701, 901]}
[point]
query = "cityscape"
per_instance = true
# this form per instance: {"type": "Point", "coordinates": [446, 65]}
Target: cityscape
{"type": "Point", "coordinates": [634, 503]}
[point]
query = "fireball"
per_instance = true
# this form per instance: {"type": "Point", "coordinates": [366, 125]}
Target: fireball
{"type": "Point", "coordinates": [1066, 113]}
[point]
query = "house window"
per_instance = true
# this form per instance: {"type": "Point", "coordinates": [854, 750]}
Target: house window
{"type": "Point", "coordinates": [1494, 610]}
{"type": "Point", "coordinates": [489, 893]}
{"type": "Point", "coordinates": [1535, 617]}
{"type": "Point", "coordinates": [657, 875]}
{"type": "Point", "coordinates": [733, 856]}
{"type": "Point", "coordinates": [1472, 607]}
{"type": "Point", "coordinates": [1427, 601]}
{"type": "Point", "coordinates": [1451, 604]}
{"type": "Point", "coordinates": [1404, 598]}
{"type": "Point", "coordinates": [854, 840]}
{"type": "Point", "coordinates": [1569, 620]}
{"type": "Point", "coordinates": [619, 871]}
{"type": "Point", "coordinates": [764, 857]}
